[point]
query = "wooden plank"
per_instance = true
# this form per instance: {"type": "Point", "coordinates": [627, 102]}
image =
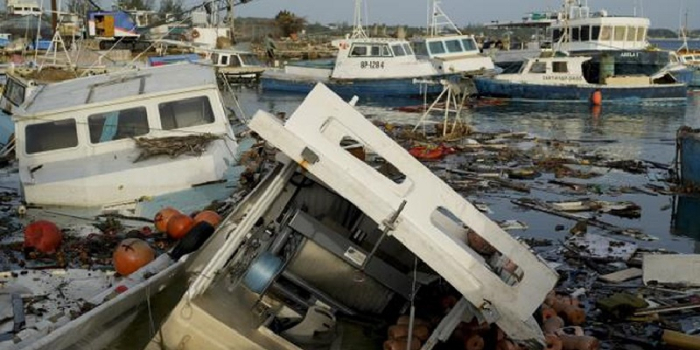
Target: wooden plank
{"type": "Point", "coordinates": [683, 269]}
{"type": "Point", "coordinates": [622, 275]}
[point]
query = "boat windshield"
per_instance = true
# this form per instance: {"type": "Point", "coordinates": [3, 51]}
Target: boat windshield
{"type": "Point", "coordinates": [398, 50]}
{"type": "Point", "coordinates": [420, 48]}
{"type": "Point", "coordinates": [469, 44]}
{"type": "Point", "coordinates": [14, 92]}
{"type": "Point", "coordinates": [250, 60]}
{"type": "Point", "coordinates": [54, 135]}
{"type": "Point", "coordinates": [408, 49]}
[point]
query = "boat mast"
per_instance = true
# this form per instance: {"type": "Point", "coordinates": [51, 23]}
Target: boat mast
{"type": "Point", "coordinates": [357, 30]}
{"type": "Point", "coordinates": [437, 19]}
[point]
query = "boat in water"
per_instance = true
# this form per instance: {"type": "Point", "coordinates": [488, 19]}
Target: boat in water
{"type": "Point", "coordinates": [127, 141]}
{"type": "Point", "coordinates": [561, 79]}
{"type": "Point", "coordinates": [332, 249]}
{"type": "Point", "coordinates": [363, 67]}
{"type": "Point", "coordinates": [617, 45]}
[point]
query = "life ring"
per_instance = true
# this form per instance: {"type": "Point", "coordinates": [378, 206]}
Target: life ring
{"type": "Point", "coordinates": [195, 34]}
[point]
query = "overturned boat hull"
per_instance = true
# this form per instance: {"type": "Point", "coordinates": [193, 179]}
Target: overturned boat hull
{"type": "Point", "coordinates": [525, 92]}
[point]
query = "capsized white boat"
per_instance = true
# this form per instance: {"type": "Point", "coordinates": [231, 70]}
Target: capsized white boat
{"type": "Point", "coordinates": [113, 141]}
{"type": "Point", "coordinates": [329, 250]}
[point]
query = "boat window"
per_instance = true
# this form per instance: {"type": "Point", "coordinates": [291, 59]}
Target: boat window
{"type": "Point", "coordinates": [375, 50]}
{"type": "Point", "coordinates": [641, 33]}
{"type": "Point", "coordinates": [436, 47]}
{"type": "Point", "coordinates": [250, 60]}
{"type": "Point", "coordinates": [538, 67]}
{"type": "Point", "coordinates": [51, 136]}
{"type": "Point", "coordinates": [185, 113]}
{"type": "Point", "coordinates": [215, 58]}
{"type": "Point", "coordinates": [234, 61]}
{"type": "Point", "coordinates": [556, 35]}
{"type": "Point", "coordinates": [585, 33]}
{"type": "Point", "coordinates": [469, 44]}
{"type": "Point", "coordinates": [224, 60]}
{"type": "Point", "coordinates": [575, 34]}
{"type": "Point", "coordinates": [559, 67]}
{"type": "Point", "coordinates": [420, 48]}
{"type": "Point", "coordinates": [408, 49]}
{"type": "Point", "coordinates": [14, 92]}
{"type": "Point", "coordinates": [453, 46]}
{"type": "Point", "coordinates": [398, 50]}
{"type": "Point", "coordinates": [605, 33]}
{"type": "Point", "coordinates": [361, 151]}
{"type": "Point", "coordinates": [620, 33]}
{"type": "Point", "coordinates": [117, 125]}
{"type": "Point", "coordinates": [385, 51]}
{"type": "Point", "coordinates": [358, 50]}
{"type": "Point", "coordinates": [631, 32]}
{"type": "Point", "coordinates": [595, 32]}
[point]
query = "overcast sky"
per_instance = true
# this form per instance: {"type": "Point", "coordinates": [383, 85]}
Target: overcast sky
{"type": "Point", "coordinates": [663, 13]}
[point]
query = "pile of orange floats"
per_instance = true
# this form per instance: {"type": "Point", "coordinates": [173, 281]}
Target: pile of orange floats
{"type": "Point", "coordinates": [428, 153]}
{"type": "Point", "coordinates": [398, 334]}
{"type": "Point", "coordinates": [177, 225]}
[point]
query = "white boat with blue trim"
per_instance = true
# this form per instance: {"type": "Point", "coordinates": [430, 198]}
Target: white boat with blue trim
{"type": "Point", "coordinates": [364, 67]}
{"type": "Point", "coordinates": [561, 79]}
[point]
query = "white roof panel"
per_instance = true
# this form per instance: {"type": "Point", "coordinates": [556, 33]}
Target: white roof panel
{"type": "Point", "coordinates": [104, 88]}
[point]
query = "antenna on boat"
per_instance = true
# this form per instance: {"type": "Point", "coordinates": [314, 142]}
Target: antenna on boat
{"type": "Point", "coordinates": [683, 30]}
{"type": "Point", "coordinates": [437, 19]}
{"type": "Point", "coordinates": [357, 30]}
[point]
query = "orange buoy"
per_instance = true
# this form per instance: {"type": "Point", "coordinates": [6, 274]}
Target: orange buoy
{"type": "Point", "coordinates": [553, 342]}
{"type": "Point", "coordinates": [209, 216]}
{"type": "Point", "coordinates": [584, 342]}
{"type": "Point", "coordinates": [43, 236]}
{"type": "Point", "coordinates": [474, 342]}
{"type": "Point", "coordinates": [132, 254]}
{"type": "Point", "coordinates": [179, 225]}
{"type": "Point", "coordinates": [161, 219]}
{"type": "Point", "coordinates": [597, 98]}
{"type": "Point", "coordinates": [401, 344]}
{"type": "Point", "coordinates": [548, 312]}
{"type": "Point", "coordinates": [553, 324]}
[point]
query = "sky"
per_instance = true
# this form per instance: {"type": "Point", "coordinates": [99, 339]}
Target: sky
{"type": "Point", "coordinates": [663, 13]}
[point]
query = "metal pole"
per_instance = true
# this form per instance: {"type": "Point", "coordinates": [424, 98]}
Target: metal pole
{"type": "Point", "coordinates": [54, 16]}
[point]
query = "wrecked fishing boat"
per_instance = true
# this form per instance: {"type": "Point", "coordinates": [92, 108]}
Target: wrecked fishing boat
{"type": "Point", "coordinates": [363, 67]}
{"type": "Point", "coordinates": [127, 142]}
{"type": "Point", "coordinates": [561, 79]}
{"type": "Point", "coordinates": [331, 252]}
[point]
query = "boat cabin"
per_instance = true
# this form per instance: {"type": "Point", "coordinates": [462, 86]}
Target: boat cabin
{"type": "Point", "coordinates": [453, 53]}
{"type": "Point", "coordinates": [23, 8]}
{"type": "Point", "coordinates": [366, 58]}
{"type": "Point", "coordinates": [76, 140]}
{"type": "Point", "coordinates": [16, 91]}
{"type": "Point", "coordinates": [599, 31]}
{"type": "Point", "coordinates": [227, 58]}
{"type": "Point", "coordinates": [550, 70]}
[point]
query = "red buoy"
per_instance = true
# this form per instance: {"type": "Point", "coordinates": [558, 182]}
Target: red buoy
{"type": "Point", "coordinates": [132, 254]}
{"type": "Point", "coordinates": [597, 98]}
{"type": "Point", "coordinates": [209, 216]}
{"type": "Point", "coordinates": [43, 236]}
{"type": "Point", "coordinates": [179, 225]}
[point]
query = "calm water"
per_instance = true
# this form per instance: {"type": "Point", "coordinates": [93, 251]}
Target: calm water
{"type": "Point", "coordinates": [674, 44]}
{"type": "Point", "coordinates": [619, 132]}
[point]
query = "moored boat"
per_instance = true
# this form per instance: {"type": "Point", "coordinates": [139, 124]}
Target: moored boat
{"type": "Point", "coordinates": [363, 67]}
{"type": "Point", "coordinates": [560, 79]}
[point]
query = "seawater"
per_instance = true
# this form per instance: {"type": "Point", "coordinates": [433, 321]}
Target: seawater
{"type": "Point", "coordinates": [638, 132]}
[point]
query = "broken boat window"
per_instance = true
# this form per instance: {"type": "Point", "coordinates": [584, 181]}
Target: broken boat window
{"type": "Point", "coordinates": [449, 224]}
{"type": "Point", "coordinates": [185, 113]}
{"type": "Point", "coordinates": [51, 136]}
{"type": "Point", "coordinates": [436, 47]}
{"type": "Point", "coordinates": [453, 46]}
{"type": "Point", "coordinates": [367, 155]}
{"type": "Point", "coordinates": [117, 125]}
